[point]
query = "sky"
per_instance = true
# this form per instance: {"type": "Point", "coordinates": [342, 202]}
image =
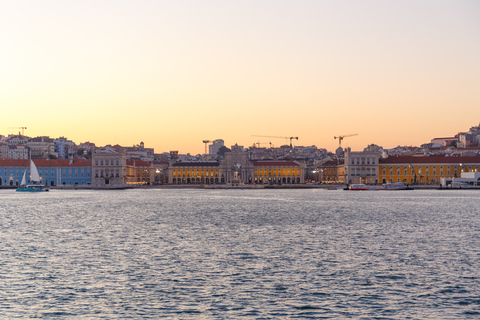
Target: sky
{"type": "Point", "coordinates": [174, 73]}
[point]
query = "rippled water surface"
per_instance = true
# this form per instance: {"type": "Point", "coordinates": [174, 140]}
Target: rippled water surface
{"type": "Point", "coordinates": [223, 254]}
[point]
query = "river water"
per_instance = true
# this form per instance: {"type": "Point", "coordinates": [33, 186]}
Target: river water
{"type": "Point", "coordinates": [254, 254]}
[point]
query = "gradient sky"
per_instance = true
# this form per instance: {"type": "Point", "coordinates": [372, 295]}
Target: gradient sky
{"type": "Point", "coordinates": [172, 73]}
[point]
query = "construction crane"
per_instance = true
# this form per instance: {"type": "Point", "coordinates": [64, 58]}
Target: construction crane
{"type": "Point", "coordinates": [206, 141]}
{"type": "Point", "coordinates": [23, 129]}
{"type": "Point", "coordinates": [257, 144]}
{"type": "Point", "coordinates": [340, 138]}
{"type": "Point", "coordinates": [291, 138]}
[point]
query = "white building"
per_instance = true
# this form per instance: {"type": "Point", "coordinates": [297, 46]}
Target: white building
{"type": "Point", "coordinates": [11, 151]}
{"type": "Point", "coordinates": [215, 146]}
{"type": "Point", "coordinates": [108, 167]}
{"type": "Point", "coordinates": [361, 167]}
{"type": "Point", "coordinates": [467, 179]}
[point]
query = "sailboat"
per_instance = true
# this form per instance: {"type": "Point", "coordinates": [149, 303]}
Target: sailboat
{"type": "Point", "coordinates": [35, 178]}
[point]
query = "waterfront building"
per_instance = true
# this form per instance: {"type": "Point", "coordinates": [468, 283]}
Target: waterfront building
{"type": "Point", "coordinates": [197, 172]}
{"type": "Point", "coordinates": [278, 172]}
{"type": "Point", "coordinates": [466, 180]}
{"type": "Point", "coordinates": [425, 170]}
{"type": "Point", "coordinates": [236, 168]}
{"type": "Point", "coordinates": [140, 172]}
{"type": "Point", "coordinates": [53, 172]}
{"type": "Point", "coordinates": [361, 167]}
{"type": "Point", "coordinates": [109, 167]}
{"type": "Point", "coordinates": [331, 171]}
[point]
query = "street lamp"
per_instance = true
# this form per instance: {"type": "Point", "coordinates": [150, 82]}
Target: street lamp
{"type": "Point", "coordinates": [414, 173]}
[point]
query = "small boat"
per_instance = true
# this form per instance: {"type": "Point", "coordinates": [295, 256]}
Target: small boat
{"type": "Point", "coordinates": [387, 186]}
{"type": "Point", "coordinates": [35, 178]}
{"type": "Point", "coordinates": [364, 187]}
{"type": "Point", "coordinates": [394, 186]}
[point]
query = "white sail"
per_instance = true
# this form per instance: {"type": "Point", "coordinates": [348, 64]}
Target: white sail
{"type": "Point", "coordinates": [24, 178]}
{"type": "Point", "coordinates": [34, 172]}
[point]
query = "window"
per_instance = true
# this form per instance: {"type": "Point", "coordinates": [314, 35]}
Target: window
{"type": "Point", "coordinates": [363, 160]}
{"type": "Point", "coordinates": [383, 170]}
{"type": "Point", "coordinates": [373, 172]}
{"type": "Point", "coordinates": [391, 171]}
{"type": "Point", "coordinates": [434, 170]}
{"type": "Point", "coordinates": [398, 171]}
{"type": "Point", "coordinates": [368, 160]}
{"type": "Point", "coordinates": [353, 160]}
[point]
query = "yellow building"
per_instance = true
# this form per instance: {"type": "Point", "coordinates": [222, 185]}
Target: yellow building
{"type": "Point", "coordinates": [140, 172]}
{"type": "Point", "coordinates": [195, 173]}
{"type": "Point", "coordinates": [425, 170]}
{"type": "Point", "coordinates": [278, 172]}
{"type": "Point", "coordinates": [332, 171]}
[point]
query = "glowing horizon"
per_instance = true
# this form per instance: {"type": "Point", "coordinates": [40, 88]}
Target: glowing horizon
{"type": "Point", "coordinates": [174, 74]}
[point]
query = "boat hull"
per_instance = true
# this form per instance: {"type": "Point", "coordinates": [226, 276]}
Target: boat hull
{"type": "Point", "coordinates": [32, 189]}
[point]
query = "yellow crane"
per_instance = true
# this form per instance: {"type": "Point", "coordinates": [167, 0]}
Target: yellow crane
{"type": "Point", "coordinates": [23, 129]}
{"type": "Point", "coordinates": [291, 138]}
{"type": "Point", "coordinates": [340, 138]}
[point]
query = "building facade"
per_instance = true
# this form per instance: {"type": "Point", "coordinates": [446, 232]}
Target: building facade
{"type": "Point", "coordinates": [53, 172]}
{"type": "Point", "coordinates": [109, 167]}
{"type": "Point", "coordinates": [361, 167]}
{"type": "Point", "coordinates": [425, 170]}
{"type": "Point", "coordinates": [42, 148]}
{"type": "Point", "coordinates": [237, 168]}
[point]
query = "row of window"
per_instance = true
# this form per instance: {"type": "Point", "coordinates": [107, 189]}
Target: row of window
{"type": "Point", "coordinates": [107, 173]}
{"type": "Point", "coordinates": [362, 160]}
{"type": "Point", "coordinates": [362, 172]}
{"type": "Point", "coordinates": [50, 172]}
{"type": "Point", "coordinates": [427, 170]}
{"type": "Point", "coordinates": [108, 162]}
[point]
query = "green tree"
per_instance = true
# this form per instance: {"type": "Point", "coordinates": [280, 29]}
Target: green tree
{"type": "Point", "coordinates": [221, 151]}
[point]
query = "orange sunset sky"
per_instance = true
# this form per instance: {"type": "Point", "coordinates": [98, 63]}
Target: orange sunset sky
{"type": "Point", "coordinates": [172, 73]}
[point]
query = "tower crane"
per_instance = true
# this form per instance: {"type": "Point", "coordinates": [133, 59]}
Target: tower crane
{"type": "Point", "coordinates": [257, 144]}
{"type": "Point", "coordinates": [206, 141]}
{"type": "Point", "coordinates": [340, 138]}
{"type": "Point", "coordinates": [291, 138]}
{"type": "Point", "coordinates": [23, 129]}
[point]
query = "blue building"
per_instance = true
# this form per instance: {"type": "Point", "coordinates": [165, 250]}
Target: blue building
{"type": "Point", "coordinates": [55, 172]}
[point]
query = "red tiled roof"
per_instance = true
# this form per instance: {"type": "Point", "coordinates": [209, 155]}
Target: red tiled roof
{"type": "Point", "coordinates": [431, 159]}
{"type": "Point", "coordinates": [45, 163]}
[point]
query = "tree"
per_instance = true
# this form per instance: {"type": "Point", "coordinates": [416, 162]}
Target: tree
{"type": "Point", "coordinates": [221, 151]}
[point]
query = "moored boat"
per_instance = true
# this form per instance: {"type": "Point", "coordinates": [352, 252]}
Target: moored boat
{"type": "Point", "coordinates": [363, 187]}
{"type": "Point", "coordinates": [35, 186]}
{"type": "Point", "coordinates": [387, 186]}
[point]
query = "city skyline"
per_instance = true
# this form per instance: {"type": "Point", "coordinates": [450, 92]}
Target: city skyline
{"type": "Point", "coordinates": [174, 74]}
